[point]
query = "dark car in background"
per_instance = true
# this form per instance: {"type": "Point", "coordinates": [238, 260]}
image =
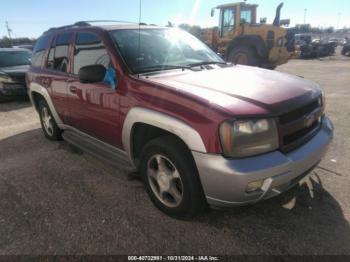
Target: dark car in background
{"type": "Point", "coordinates": [314, 48]}
{"type": "Point", "coordinates": [28, 47]}
{"type": "Point", "coordinates": [346, 47]}
{"type": "Point", "coordinates": [14, 63]}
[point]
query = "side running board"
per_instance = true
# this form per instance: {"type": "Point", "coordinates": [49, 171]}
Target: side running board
{"type": "Point", "coordinates": [99, 149]}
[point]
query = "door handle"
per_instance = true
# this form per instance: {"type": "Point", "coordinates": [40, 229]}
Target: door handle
{"type": "Point", "coordinates": [73, 89]}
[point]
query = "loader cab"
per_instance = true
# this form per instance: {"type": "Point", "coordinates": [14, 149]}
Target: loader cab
{"type": "Point", "coordinates": [233, 16]}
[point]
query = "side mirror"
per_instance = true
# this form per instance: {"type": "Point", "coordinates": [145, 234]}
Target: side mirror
{"type": "Point", "coordinates": [92, 74]}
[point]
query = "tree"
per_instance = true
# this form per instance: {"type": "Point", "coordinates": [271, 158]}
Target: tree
{"type": "Point", "coordinates": [194, 30]}
{"type": "Point", "coordinates": [302, 29]}
{"type": "Point", "coordinates": [7, 42]}
{"type": "Point", "coordinates": [329, 30]}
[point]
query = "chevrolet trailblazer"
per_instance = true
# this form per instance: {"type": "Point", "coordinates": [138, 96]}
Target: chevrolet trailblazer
{"type": "Point", "coordinates": [158, 101]}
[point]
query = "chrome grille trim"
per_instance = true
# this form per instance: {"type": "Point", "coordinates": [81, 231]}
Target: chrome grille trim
{"type": "Point", "coordinates": [298, 126]}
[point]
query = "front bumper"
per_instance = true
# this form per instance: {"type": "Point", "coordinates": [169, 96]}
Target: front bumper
{"type": "Point", "coordinates": [8, 90]}
{"type": "Point", "coordinates": [225, 181]}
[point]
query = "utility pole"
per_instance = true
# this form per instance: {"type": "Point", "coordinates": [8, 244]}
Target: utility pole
{"type": "Point", "coordinates": [305, 11]}
{"type": "Point", "coordinates": [8, 30]}
{"type": "Point", "coordinates": [339, 17]}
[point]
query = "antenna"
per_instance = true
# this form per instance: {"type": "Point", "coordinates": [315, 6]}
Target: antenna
{"type": "Point", "coordinates": [139, 46]}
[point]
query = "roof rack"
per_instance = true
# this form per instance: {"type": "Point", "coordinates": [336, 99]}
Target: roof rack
{"type": "Point", "coordinates": [89, 23]}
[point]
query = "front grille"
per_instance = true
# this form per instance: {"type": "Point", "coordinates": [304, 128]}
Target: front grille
{"type": "Point", "coordinates": [300, 112]}
{"type": "Point", "coordinates": [289, 139]}
{"type": "Point", "coordinates": [19, 78]}
{"type": "Point", "coordinates": [14, 89]}
{"type": "Point", "coordinates": [299, 126]}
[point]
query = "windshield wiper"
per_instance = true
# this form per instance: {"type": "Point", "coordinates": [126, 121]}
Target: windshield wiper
{"type": "Point", "coordinates": [206, 63]}
{"type": "Point", "coordinates": [154, 68]}
{"type": "Point", "coordinates": [162, 68]}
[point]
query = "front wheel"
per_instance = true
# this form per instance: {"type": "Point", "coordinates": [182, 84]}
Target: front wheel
{"type": "Point", "coordinates": [171, 178]}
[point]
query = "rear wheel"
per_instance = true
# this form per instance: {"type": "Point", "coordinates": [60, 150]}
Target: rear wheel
{"type": "Point", "coordinates": [171, 178]}
{"type": "Point", "coordinates": [48, 124]}
{"type": "Point", "coordinates": [244, 55]}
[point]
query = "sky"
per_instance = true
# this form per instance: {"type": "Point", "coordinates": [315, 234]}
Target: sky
{"type": "Point", "coordinates": [30, 18]}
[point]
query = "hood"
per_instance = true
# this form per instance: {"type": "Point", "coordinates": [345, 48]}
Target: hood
{"type": "Point", "coordinates": [275, 92]}
{"type": "Point", "coordinates": [21, 69]}
{"type": "Point", "coordinates": [17, 73]}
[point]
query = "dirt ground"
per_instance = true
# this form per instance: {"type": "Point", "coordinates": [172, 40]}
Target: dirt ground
{"type": "Point", "coordinates": [55, 199]}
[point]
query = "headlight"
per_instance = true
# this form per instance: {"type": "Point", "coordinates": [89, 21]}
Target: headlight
{"type": "Point", "coordinates": [5, 78]}
{"type": "Point", "coordinates": [242, 138]}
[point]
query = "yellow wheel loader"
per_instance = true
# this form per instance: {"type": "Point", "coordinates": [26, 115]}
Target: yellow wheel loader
{"type": "Point", "coordinates": [241, 40]}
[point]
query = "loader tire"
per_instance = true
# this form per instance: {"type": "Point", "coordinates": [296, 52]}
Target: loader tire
{"type": "Point", "coordinates": [243, 55]}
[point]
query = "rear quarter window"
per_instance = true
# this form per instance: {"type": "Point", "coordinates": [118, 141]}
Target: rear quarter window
{"type": "Point", "coordinates": [39, 51]}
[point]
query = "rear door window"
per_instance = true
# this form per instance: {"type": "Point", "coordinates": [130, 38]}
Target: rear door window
{"type": "Point", "coordinates": [89, 50]}
{"type": "Point", "coordinates": [58, 58]}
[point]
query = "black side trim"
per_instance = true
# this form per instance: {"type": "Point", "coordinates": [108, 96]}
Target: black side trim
{"type": "Point", "coordinates": [106, 153]}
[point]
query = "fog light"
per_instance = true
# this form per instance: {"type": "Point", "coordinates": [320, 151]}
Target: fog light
{"type": "Point", "coordinates": [254, 186]}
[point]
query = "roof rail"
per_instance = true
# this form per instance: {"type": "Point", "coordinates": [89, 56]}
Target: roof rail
{"type": "Point", "coordinates": [88, 23]}
{"type": "Point", "coordinates": [65, 27]}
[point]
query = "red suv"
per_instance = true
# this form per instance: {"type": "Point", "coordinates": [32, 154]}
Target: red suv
{"type": "Point", "coordinates": [158, 101]}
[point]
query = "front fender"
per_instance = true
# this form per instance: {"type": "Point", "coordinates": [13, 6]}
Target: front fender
{"type": "Point", "coordinates": [175, 126]}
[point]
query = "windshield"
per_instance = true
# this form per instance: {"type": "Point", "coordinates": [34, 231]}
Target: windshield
{"type": "Point", "coordinates": [14, 58]}
{"type": "Point", "coordinates": [161, 49]}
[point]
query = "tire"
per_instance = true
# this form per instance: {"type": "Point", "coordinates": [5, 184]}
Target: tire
{"type": "Point", "coordinates": [48, 123]}
{"type": "Point", "coordinates": [243, 55]}
{"type": "Point", "coordinates": [177, 160]}
{"type": "Point", "coordinates": [345, 51]}
{"type": "Point", "coordinates": [270, 67]}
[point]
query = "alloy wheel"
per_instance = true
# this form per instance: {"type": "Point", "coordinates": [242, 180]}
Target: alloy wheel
{"type": "Point", "coordinates": [47, 121]}
{"type": "Point", "coordinates": [165, 180]}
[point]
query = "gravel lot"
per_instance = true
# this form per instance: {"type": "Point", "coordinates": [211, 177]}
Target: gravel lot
{"type": "Point", "coordinates": [55, 199]}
